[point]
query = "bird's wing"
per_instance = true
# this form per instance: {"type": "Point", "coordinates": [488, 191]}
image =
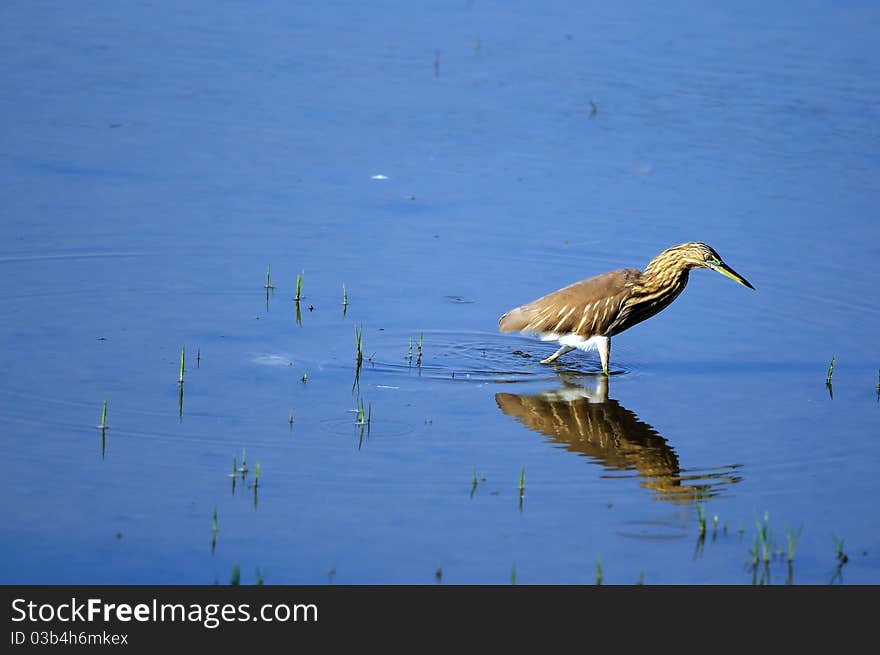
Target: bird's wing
{"type": "Point", "coordinates": [587, 307]}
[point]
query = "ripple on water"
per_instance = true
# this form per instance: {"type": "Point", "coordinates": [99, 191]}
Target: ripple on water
{"type": "Point", "coordinates": [486, 357]}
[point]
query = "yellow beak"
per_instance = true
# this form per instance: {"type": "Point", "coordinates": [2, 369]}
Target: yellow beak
{"type": "Point", "coordinates": [726, 271]}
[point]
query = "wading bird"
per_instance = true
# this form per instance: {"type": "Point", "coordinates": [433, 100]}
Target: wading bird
{"type": "Point", "coordinates": [586, 314]}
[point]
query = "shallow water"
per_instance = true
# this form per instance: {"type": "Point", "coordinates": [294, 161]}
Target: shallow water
{"type": "Point", "coordinates": [155, 161]}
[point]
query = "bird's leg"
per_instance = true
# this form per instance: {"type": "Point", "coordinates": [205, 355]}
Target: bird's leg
{"type": "Point", "coordinates": [604, 346]}
{"type": "Point", "coordinates": [559, 353]}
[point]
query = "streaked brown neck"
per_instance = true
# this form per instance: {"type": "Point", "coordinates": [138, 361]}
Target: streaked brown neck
{"type": "Point", "coordinates": [666, 271]}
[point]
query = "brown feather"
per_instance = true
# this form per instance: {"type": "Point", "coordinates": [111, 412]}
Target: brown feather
{"type": "Point", "coordinates": [588, 307]}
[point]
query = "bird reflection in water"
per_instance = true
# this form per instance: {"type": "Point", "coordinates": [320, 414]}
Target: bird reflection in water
{"type": "Point", "coordinates": [587, 422]}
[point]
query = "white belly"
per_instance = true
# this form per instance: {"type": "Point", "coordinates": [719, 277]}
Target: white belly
{"type": "Point", "coordinates": [572, 340]}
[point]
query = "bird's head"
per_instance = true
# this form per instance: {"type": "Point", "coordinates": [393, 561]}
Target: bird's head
{"type": "Point", "coordinates": [700, 255]}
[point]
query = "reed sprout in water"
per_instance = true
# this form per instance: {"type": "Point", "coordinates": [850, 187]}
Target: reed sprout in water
{"type": "Point", "coordinates": [701, 518]}
{"type": "Point", "coordinates": [513, 573]}
{"type": "Point", "coordinates": [214, 532]}
{"type": "Point", "coordinates": [791, 536]}
{"type": "Point", "coordinates": [236, 575]}
{"type": "Point", "coordinates": [838, 549]}
{"type": "Point", "coordinates": [344, 296]}
{"type": "Point", "coordinates": [182, 360]}
{"type": "Point", "coordinates": [299, 284]}
{"type": "Point", "coordinates": [364, 413]}
{"type": "Point", "coordinates": [764, 537]}
{"type": "Point", "coordinates": [830, 372]}
{"type": "Point", "coordinates": [522, 482]}
{"type": "Point", "coordinates": [358, 337]}
{"type": "Point", "coordinates": [599, 576]}
{"type": "Point", "coordinates": [268, 279]}
{"type": "Point", "coordinates": [104, 425]}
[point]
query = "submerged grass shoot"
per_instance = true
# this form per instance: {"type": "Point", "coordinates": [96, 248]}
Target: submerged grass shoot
{"type": "Point", "coordinates": [838, 548]}
{"type": "Point", "coordinates": [754, 551]}
{"type": "Point", "coordinates": [364, 412]}
{"type": "Point", "coordinates": [299, 284]}
{"type": "Point", "coordinates": [358, 337]}
{"type": "Point", "coordinates": [214, 531]}
{"type": "Point", "coordinates": [236, 575]}
{"type": "Point", "coordinates": [268, 284]}
{"type": "Point", "coordinates": [522, 482]}
{"type": "Point", "coordinates": [765, 537]}
{"type": "Point", "coordinates": [791, 537]}
{"type": "Point", "coordinates": [701, 517]}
